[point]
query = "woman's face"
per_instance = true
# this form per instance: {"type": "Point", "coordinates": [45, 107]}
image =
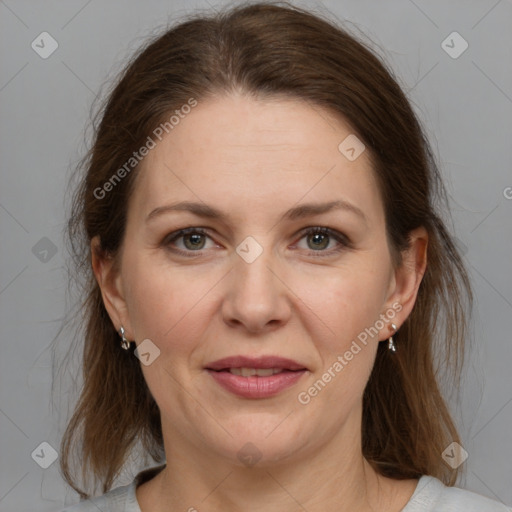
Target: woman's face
{"type": "Point", "coordinates": [265, 270]}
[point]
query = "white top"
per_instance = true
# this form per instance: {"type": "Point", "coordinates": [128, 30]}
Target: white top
{"type": "Point", "coordinates": [431, 495]}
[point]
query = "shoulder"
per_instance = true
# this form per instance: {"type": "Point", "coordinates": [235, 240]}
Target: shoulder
{"type": "Point", "coordinates": [431, 495]}
{"type": "Point", "coordinates": [120, 499]}
{"type": "Point", "coordinates": [115, 500]}
{"type": "Point", "coordinates": [468, 501]}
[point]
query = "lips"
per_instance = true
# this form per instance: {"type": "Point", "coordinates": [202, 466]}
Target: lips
{"type": "Point", "coordinates": [256, 377]}
{"type": "Point", "coordinates": [262, 362]}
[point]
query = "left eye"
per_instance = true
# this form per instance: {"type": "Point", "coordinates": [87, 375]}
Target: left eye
{"type": "Point", "coordinates": [319, 239]}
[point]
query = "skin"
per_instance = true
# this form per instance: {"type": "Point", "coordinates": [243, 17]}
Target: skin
{"type": "Point", "coordinates": [254, 160]}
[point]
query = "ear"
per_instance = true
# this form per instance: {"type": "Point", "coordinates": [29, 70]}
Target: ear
{"type": "Point", "coordinates": [407, 278]}
{"type": "Point", "coordinates": [108, 276]}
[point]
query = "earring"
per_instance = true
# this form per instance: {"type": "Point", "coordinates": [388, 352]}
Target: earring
{"type": "Point", "coordinates": [124, 342]}
{"type": "Point", "coordinates": [391, 343]}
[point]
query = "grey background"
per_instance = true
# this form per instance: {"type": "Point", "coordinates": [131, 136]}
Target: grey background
{"type": "Point", "coordinates": [465, 104]}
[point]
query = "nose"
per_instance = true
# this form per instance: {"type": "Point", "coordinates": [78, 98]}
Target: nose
{"type": "Point", "coordinates": [257, 298]}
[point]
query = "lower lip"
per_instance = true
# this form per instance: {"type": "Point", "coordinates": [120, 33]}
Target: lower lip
{"type": "Point", "coordinates": [254, 386]}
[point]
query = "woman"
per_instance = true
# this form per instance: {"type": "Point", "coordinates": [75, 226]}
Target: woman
{"type": "Point", "coordinates": [267, 280]}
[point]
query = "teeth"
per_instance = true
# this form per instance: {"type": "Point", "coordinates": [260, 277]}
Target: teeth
{"type": "Point", "coordinates": [260, 372]}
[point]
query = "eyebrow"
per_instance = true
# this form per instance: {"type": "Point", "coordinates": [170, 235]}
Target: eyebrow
{"type": "Point", "coordinates": [298, 212]}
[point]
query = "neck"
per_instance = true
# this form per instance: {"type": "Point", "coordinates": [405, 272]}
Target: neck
{"type": "Point", "coordinates": [334, 476]}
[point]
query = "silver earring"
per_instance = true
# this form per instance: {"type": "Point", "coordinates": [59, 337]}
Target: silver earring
{"type": "Point", "coordinates": [391, 343]}
{"type": "Point", "coordinates": [124, 342]}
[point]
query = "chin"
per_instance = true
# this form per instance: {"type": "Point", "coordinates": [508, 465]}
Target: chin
{"type": "Point", "coordinates": [263, 442]}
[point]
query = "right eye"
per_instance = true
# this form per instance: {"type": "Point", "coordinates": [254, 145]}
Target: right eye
{"type": "Point", "coordinates": [192, 240]}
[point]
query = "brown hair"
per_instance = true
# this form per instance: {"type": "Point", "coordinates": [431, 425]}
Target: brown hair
{"type": "Point", "coordinates": [266, 50]}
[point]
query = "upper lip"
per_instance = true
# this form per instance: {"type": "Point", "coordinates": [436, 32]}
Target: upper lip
{"type": "Point", "coordinates": [255, 362]}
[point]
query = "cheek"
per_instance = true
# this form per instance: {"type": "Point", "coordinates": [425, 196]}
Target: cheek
{"type": "Point", "coordinates": [342, 303]}
{"type": "Point", "coordinates": [160, 299]}
{"type": "Point", "coordinates": [345, 306]}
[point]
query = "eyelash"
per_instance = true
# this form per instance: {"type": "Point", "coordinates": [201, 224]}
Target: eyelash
{"type": "Point", "coordinates": [344, 242]}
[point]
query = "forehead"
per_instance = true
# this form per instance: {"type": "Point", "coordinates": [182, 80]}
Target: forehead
{"type": "Point", "coordinates": [246, 153]}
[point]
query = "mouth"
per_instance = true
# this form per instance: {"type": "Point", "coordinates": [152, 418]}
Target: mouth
{"type": "Point", "coordinates": [262, 366]}
{"type": "Point", "coordinates": [258, 372]}
{"type": "Point", "coordinates": [261, 377]}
